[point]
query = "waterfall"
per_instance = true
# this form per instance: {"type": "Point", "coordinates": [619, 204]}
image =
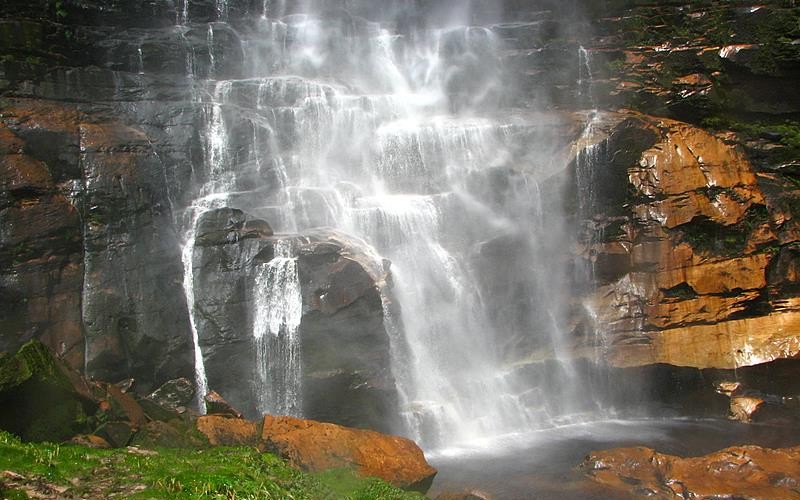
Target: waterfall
{"type": "Point", "coordinates": [278, 311]}
{"type": "Point", "coordinates": [397, 138]}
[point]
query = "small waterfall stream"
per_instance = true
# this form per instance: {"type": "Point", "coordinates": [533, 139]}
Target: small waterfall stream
{"type": "Point", "coordinates": [278, 311]}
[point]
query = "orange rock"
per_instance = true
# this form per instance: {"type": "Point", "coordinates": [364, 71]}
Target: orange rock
{"type": "Point", "coordinates": [90, 441]}
{"type": "Point", "coordinates": [223, 431]}
{"type": "Point", "coordinates": [738, 472]}
{"type": "Point", "coordinates": [744, 408]}
{"type": "Point", "coordinates": [727, 345]}
{"type": "Point", "coordinates": [316, 446]}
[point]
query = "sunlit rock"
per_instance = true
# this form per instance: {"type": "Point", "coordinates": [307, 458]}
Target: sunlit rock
{"type": "Point", "coordinates": [315, 446]}
{"type": "Point", "coordinates": [746, 471]}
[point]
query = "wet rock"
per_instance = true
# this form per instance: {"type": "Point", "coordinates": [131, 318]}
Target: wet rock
{"type": "Point", "coordinates": [225, 431]}
{"type": "Point", "coordinates": [744, 408]}
{"type": "Point", "coordinates": [174, 394]}
{"type": "Point", "coordinates": [690, 250]}
{"type": "Point", "coordinates": [738, 472]}
{"type": "Point", "coordinates": [126, 385]}
{"type": "Point", "coordinates": [314, 446]}
{"type": "Point", "coordinates": [227, 225]}
{"type": "Point", "coordinates": [216, 405]}
{"type": "Point", "coordinates": [346, 376]}
{"type": "Point", "coordinates": [469, 495]}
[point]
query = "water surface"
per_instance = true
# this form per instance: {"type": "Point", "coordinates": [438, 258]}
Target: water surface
{"type": "Point", "coordinates": [540, 465]}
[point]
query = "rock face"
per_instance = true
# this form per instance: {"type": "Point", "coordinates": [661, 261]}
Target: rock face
{"type": "Point", "coordinates": [315, 446]}
{"type": "Point", "coordinates": [683, 253]}
{"type": "Point", "coordinates": [739, 472]}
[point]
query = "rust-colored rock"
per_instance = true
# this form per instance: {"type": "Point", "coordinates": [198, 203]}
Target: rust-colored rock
{"type": "Point", "coordinates": [224, 431]}
{"type": "Point", "coordinates": [688, 276]}
{"type": "Point", "coordinates": [316, 446]}
{"type": "Point", "coordinates": [738, 472]}
{"type": "Point", "coordinates": [744, 408]}
{"type": "Point", "coordinates": [90, 441]}
{"type": "Point", "coordinates": [216, 405]}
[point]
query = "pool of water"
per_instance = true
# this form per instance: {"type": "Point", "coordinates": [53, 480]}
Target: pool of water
{"type": "Point", "coordinates": [541, 465]}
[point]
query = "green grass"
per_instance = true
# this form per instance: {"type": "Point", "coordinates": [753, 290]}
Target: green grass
{"type": "Point", "coordinates": [218, 473]}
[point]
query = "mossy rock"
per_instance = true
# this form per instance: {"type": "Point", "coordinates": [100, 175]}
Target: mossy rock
{"type": "Point", "coordinates": [39, 402]}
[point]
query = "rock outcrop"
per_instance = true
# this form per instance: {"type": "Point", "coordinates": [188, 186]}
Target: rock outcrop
{"type": "Point", "coordinates": [315, 446]}
{"type": "Point", "coordinates": [738, 472]}
{"type": "Point", "coordinates": [683, 251]}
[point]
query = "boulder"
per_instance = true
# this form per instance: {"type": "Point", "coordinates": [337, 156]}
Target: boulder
{"type": "Point", "coordinates": [225, 431]}
{"type": "Point", "coordinates": [315, 446]}
{"type": "Point", "coordinates": [737, 472]}
{"type": "Point", "coordinates": [40, 399]}
{"type": "Point", "coordinates": [744, 408]}
{"type": "Point", "coordinates": [174, 434]}
{"type": "Point", "coordinates": [174, 395]}
{"type": "Point", "coordinates": [216, 405]}
{"type": "Point", "coordinates": [345, 375]}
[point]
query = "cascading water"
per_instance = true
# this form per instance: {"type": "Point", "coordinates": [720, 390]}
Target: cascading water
{"type": "Point", "coordinates": [279, 308]}
{"type": "Point", "coordinates": [389, 135]}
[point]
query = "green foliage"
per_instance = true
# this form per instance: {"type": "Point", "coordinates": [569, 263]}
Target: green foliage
{"type": "Point", "coordinates": [218, 473]}
{"type": "Point", "coordinates": [60, 10]}
{"type": "Point", "coordinates": [706, 236]}
{"type": "Point", "coordinates": [788, 132]}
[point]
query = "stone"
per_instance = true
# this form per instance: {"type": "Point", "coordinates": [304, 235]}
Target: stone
{"type": "Point", "coordinates": [174, 394]}
{"type": "Point", "coordinates": [737, 472]}
{"type": "Point", "coordinates": [744, 408]}
{"type": "Point", "coordinates": [225, 431]}
{"type": "Point", "coordinates": [122, 407]}
{"type": "Point", "coordinates": [41, 400]}
{"type": "Point", "coordinates": [315, 446]}
{"type": "Point", "coordinates": [90, 441]}
{"type": "Point", "coordinates": [216, 405]}
{"type": "Point", "coordinates": [468, 495]}
{"type": "Point", "coordinates": [174, 434]}
{"type": "Point", "coordinates": [118, 434]}
{"type": "Point", "coordinates": [728, 388]}
{"type": "Point", "coordinates": [126, 385]}
{"type": "Point", "coordinates": [689, 271]}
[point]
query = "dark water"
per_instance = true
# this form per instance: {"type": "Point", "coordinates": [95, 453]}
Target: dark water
{"type": "Point", "coordinates": [540, 465]}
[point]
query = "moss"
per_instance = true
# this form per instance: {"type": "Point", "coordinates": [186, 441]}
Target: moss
{"type": "Point", "coordinates": [32, 360]}
{"type": "Point", "coordinates": [785, 132]}
{"type": "Point", "coordinates": [38, 400]}
{"type": "Point", "coordinates": [225, 473]}
{"type": "Point", "coordinates": [708, 237]}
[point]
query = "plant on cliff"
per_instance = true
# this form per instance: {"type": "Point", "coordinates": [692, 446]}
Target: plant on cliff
{"type": "Point", "coordinates": [223, 473]}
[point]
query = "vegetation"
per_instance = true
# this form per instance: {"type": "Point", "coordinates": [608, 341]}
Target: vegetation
{"type": "Point", "coordinates": [709, 237]}
{"type": "Point", "coordinates": [218, 473]}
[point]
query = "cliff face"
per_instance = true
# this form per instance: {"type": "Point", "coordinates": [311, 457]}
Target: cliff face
{"type": "Point", "coordinates": [689, 230]}
{"type": "Point", "coordinates": [694, 256]}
